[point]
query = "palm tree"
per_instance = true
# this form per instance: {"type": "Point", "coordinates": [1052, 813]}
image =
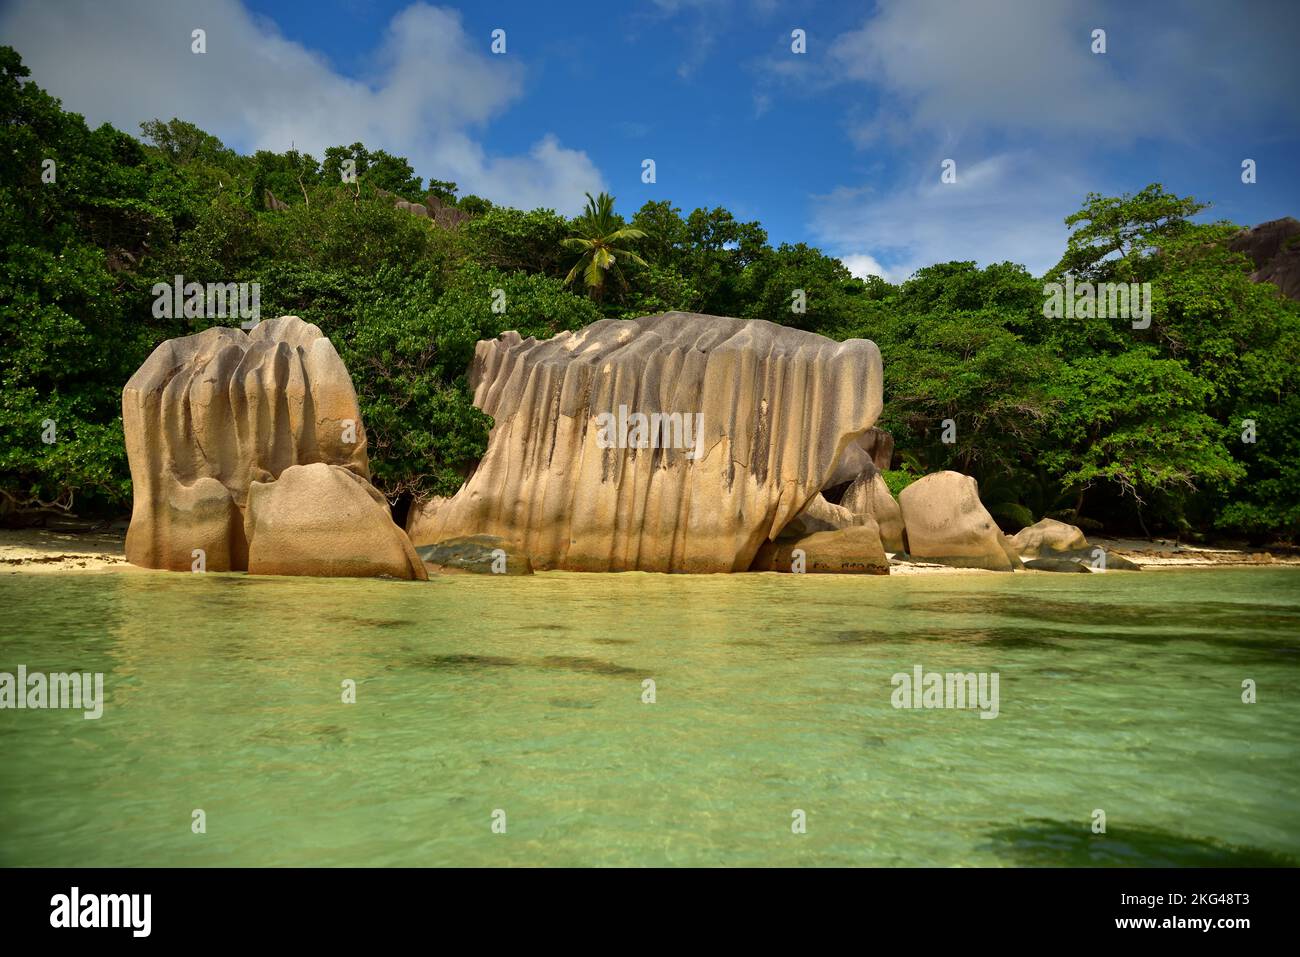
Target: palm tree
{"type": "Point", "coordinates": [598, 230]}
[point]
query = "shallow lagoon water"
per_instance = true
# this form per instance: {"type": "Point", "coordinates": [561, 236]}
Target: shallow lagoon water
{"type": "Point", "coordinates": [1119, 691]}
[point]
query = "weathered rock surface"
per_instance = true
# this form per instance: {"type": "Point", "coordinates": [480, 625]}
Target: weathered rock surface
{"type": "Point", "coordinates": [854, 550]}
{"type": "Point", "coordinates": [325, 520]}
{"type": "Point", "coordinates": [207, 415]}
{"type": "Point", "coordinates": [868, 498]}
{"type": "Point", "coordinates": [1047, 536]}
{"type": "Point", "coordinates": [947, 523]}
{"type": "Point", "coordinates": [819, 515]}
{"type": "Point", "coordinates": [477, 554]}
{"type": "Point", "coordinates": [879, 445]}
{"type": "Point", "coordinates": [777, 409]}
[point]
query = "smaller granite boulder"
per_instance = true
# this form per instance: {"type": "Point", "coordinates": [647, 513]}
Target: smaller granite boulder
{"type": "Point", "coordinates": [947, 524]}
{"type": "Point", "coordinates": [1047, 537]}
{"type": "Point", "coordinates": [476, 554]}
{"type": "Point", "coordinates": [846, 551]}
{"type": "Point", "coordinates": [868, 498]}
{"type": "Point", "coordinates": [325, 520]}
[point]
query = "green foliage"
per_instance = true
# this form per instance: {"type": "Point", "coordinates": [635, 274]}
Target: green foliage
{"type": "Point", "coordinates": [1112, 236]}
{"type": "Point", "coordinates": [899, 479]}
{"type": "Point", "coordinates": [511, 239]}
{"type": "Point", "coordinates": [1134, 421]}
{"type": "Point", "coordinates": [597, 231]}
{"type": "Point", "coordinates": [951, 351]}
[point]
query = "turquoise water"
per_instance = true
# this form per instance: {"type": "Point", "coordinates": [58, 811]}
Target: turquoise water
{"type": "Point", "coordinates": [1119, 692]}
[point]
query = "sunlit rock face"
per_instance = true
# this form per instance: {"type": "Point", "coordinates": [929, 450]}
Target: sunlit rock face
{"type": "Point", "coordinates": [673, 443]}
{"type": "Point", "coordinates": [207, 415]}
{"type": "Point", "coordinates": [325, 520]}
{"type": "Point", "coordinates": [947, 523]}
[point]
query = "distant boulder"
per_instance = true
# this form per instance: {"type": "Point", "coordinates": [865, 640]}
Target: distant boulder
{"type": "Point", "coordinates": [1274, 248]}
{"type": "Point", "coordinates": [1046, 537]}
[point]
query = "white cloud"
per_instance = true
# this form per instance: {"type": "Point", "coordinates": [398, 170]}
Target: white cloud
{"type": "Point", "coordinates": [863, 265]}
{"type": "Point", "coordinates": [940, 79]}
{"type": "Point", "coordinates": [1007, 207]}
{"type": "Point", "coordinates": [431, 91]}
{"type": "Point", "coordinates": [959, 69]}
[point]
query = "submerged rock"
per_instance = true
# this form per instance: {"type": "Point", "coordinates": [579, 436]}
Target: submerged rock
{"type": "Point", "coordinates": [764, 416]}
{"type": "Point", "coordinates": [325, 520]}
{"type": "Point", "coordinates": [1098, 557]}
{"type": "Point", "coordinates": [947, 523]}
{"type": "Point", "coordinates": [1055, 565]}
{"type": "Point", "coordinates": [479, 554]}
{"type": "Point", "coordinates": [1047, 537]}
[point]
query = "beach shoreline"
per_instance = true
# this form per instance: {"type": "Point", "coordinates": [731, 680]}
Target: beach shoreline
{"type": "Point", "coordinates": [47, 551]}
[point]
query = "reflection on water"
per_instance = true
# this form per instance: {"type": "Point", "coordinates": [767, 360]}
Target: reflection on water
{"type": "Point", "coordinates": [1118, 692]}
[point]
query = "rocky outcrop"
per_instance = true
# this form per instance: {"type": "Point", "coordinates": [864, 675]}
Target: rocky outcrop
{"type": "Point", "coordinates": [947, 523]}
{"type": "Point", "coordinates": [328, 521]}
{"type": "Point", "coordinates": [854, 550]}
{"type": "Point", "coordinates": [868, 498]}
{"type": "Point", "coordinates": [207, 416]}
{"type": "Point", "coordinates": [1274, 248]}
{"type": "Point", "coordinates": [763, 416]}
{"type": "Point", "coordinates": [1046, 537]}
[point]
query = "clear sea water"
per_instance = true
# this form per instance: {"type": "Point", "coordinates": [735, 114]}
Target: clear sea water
{"type": "Point", "coordinates": [1119, 692]}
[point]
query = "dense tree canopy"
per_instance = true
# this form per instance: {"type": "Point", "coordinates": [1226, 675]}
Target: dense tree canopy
{"type": "Point", "coordinates": [1189, 423]}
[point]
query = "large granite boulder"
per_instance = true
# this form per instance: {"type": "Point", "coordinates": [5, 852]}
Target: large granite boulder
{"type": "Point", "coordinates": [1046, 537]}
{"type": "Point", "coordinates": [854, 550]}
{"type": "Point", "coordinates": [325, 520]}
{"type": "Point", "coordinates": [868, 498]}
{"type": "Point", "coordinates": [208, 415]}
{"type": "Point", "coordinates": [764, 415]}
{"type": "Point", "coordinates": [947, 524]}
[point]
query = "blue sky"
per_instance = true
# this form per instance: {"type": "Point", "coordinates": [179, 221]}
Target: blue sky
{"type": "Point", "coordinates": [840, 147]}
